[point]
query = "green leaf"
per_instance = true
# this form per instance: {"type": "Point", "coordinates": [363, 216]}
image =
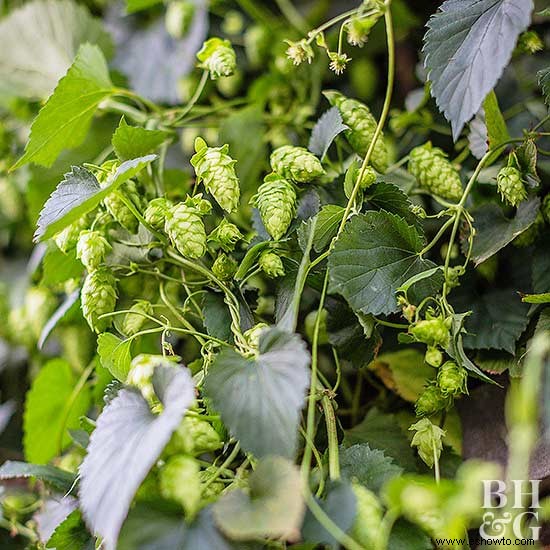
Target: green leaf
{"type": "Point", "coordinates": [133, 6]}
{"type": "Point", "coordinates": [328, 220]}
{"type": "Point", "coordinates": [131, 142]}
{"type": "Point", "coordinates": [325, 131]}
{"type": "Point", "coordinates": [126, 443]}
{"type": "Point", "coordinates": [64, 120]}
{"type": "Point", "coordinates": [72, 534]}
{"type": "Point", "coordinates": [260, 399]}
{"type": "Point", "coordinates": [216, 316]}
{"type": "Point", "coordinates": [60, 479]}
{"type": "Point", "coordinates": [30, 68]}
{"type": "Point", "coordinates": [467, 46]}
{"type": "Point", "coordinates": [370, 467]}
{"type": "Point", "coordinates": [58, 267]}
{"type": "Point", "coordinates": [536, 298]}
{"type": "Point", "coordinates": [406, 535]}
{"type": "Point", "coordinates": [57, 316]}
{"type": "Point", "coordinates": [494, 231]}
{"type": "Point", "coordinates": [375, 254]}
{"type": "Point", "coordinates": [541, 269]}
{"type": "Point", "coordinates": [387, 196]}
{"type": "Point", "coordinates": [274, 506]}
{"type": "Point", "coordinates": [79, 193]}
{"type": "Point", "coordinates": [53, 405]}
{"type": "Point", "coordinates": [496, 126]}
{"type": "Point", "coordinates": [544, 83]}
{"type": "Point", "coordinates": [115, 355]}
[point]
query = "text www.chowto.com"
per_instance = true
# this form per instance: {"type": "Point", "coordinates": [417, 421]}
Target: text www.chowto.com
{"type": "Point", "coordinates": [460, 543]}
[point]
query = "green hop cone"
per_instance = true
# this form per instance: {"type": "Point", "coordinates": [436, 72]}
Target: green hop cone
{"type": "Point", "coordinates": [218, 57]}
{"type": "Point", "coordinates": [67, 238]}
{"type": "Point", "coordinates": [216, 169]}
{"type": "Point", "coordinates": [276, 201]}
{"type": "Point", "coordinates": [11, 200]}
{"type": "Point", "coordinates": [19, 330]}
{"type": "Point", "coordinates": [186, 230]}
{"type": "Point", "coordinates": [210, 490]}
{"type": "Point", "coordinates": [510, 185]}
{"type": "Point", "coordinates": [194, 436]}
{"type": "Point", "coordinates": [428, 439]}
{"type": "Point", "coordinates": [98, 297]}
{"type": "Point", "coordinates": [368, 517]}
{"type": "Point", "coordinates": [529, 42]}
{"type": "Point", "coordinates": [452, 379]}
{"type": "Point", "coordinates": [271, 264]}
{"type": "Point", "coordinates": [224, 267]}
{"type": "Point", "coordinates": [431, 401]}
{"type": "Point", "coordinates": [91, 249]}
{"type": "Point", "coordinates": [178, 18]}
{"type": "Point", "coordinates": [141, 372]}
{"type": "Point", "coordinates": [180, 482]}
{"type": "Point", "coordinates": [252, 335]}
{"type": "Point", "coordinates": [433, 356]}
{"type": "Point", "coordinates": [309, 326]}
{"type": "Point", "coordinates": [433, 332]}
{"type": "Point", "coordinates": [156, 211]}
{"type": "Point", "coordinates": [433, 171]}
{"type": "Point", "coordinates": [296, 163]}
{"type": "Point", "coordinates": [226, 235]}
{"type": "Point", "coordinates": [136, 317]}
{"type": "Point", "coordinates": [362, 125]}
{"type": "Point", "coordinates": [40, 303]}
{"type": "Point", "coordinates": [118, 209]}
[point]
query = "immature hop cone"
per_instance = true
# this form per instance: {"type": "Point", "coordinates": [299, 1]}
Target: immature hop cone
{"type": "Point", "coordinates": [118, 209]}
{"type": "Point", "coordinates": [510, 185]}
{"type": "Point", "coordinates": [252, 335]}
{"type": "Point", "coordinates": [216, 169]}
{"type": "Point", "coordinates": [271, 264]}
{"type": "Point", "coordinates": [194, 436]}
{"type": "Point", "coordinates": [452, 379]}
{"type": "Point", "coordinates": [98, 297]}
{"type": "Point", "coordinates": [186, 230]}
{"type": "Point", "coordinates": [362, 125]}
{"type": "Point", "coordinates": [226, 234]}
{"type": "Point", "coordinates": [433, 332]}
{"type": "Point", "coordinates": [66, 240]}
{"type": "Point", "coordinates": [296, 163]}
{"type": "Point", "coordinates": [136, 317]}
{"type": "Point", "coordinates": [432, 170]}
{"type": "Point", "coordinates": [180, 482]}
{"type": "Point", "coordinates": [40, 303]}
{"type": "Point", "coordinates": [431, 401]}
{"type": "Point", "coordinates": [368, 517]}
{"type": "Point", "coordinates": [178, 18]}
{"type": "Point", "coordinates": [276, 201]}
{"type": "Point", "coordinates": [218, 57]}
{"type": "Point", "coordinates": [224, 267]}
{"type": "Point", "coordinates": [91, 249]}
{"type": "Point", "coordinates": [156, 211]}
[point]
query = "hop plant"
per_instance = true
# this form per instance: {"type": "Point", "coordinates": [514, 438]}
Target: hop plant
{"type": "Point", "coordinates": [11, 204]}
{"type": "Point", "coordinates": [178, 18]}
{"type": "Point", "coordinates": [118, 208]}
{"type": "Point", "coordinates": [98, 297]}
{"type": "Point", "coordinates": [338, 62]}
{"type": "Point", "coordinates": [431, 401]}
{"type": "Point", "coordinates": [510, 185]}
{"type": "Point", "coordinates": [226, 235]}
{"type": "Point", "coordinates": [136, 317]}
{"type": "Point", "coordinates": [452, 379]}
{"type": "Point", "coordinates": [67, 238]}
{"type": "Point", "coordinates": [78, 344]}
{"type": "Point", "coordinates": [276, 201]}
{"type": "Point", "coordinates": [216, 169]}
{"type": "Point", "coordinates": [358, 29]}
{"type": "Point", "coordinates": [299, 52]}
{"type": "Point", "coordinates": [252, 335]}
{"type": "Point", "coordinates": [296, 163]}
{"type": "Point", "coordinates": [194, 436]}
{"type": "Point", "coordinates": [39, 305]}
{"type": "Point", "coordinates": [91, 249]}
{"type": "Point", "coordinates": [218, 57]}
{"type": "Point", "coordinates": [530, 235]}
{"type": "Point", "coordinates": [19, 329]}
{"type": "Point", "coordinates": [432, 170]}
{"type": "Point", "coordinates": [309, 326]}
{"type": "Point", "coordinates": [271, 264]}
{"type": "Point", "coordinates": [428, 439]}
{"type": "Point", "coordinates": [224, 267]}
{"type": "Point", "coordinates": [257, 45]}
{"type": "Point", "coordinates": [368, 517]}
{"type": "Point", "coordinates": [362, 125]}
{"type": "Point", "coordinates": [186, 230]}
{"type": "Point", "coordinates": [530, 42]}
{"type": "Point", "coordinates": [180, 482]}
{"type": "Point", "coordinates": [141, 373]}
{"type": "Point", "coordinates": [433, 356]}
{"type": "Point", "coordinates": [156, 212]}
{"type": "Point", "coordinates": [433, 332]}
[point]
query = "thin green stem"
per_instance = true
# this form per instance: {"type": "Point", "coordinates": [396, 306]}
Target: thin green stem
{"type": "Point", "coordinates": [131, 112]}
{"type": "Point", "coordinates": [438, 236]}
{"type": "Point", "coordinates": [131, 206]}
{"type": "Point", "coordinates": [332, 435]}
{"type": "Point", "coordinates": [196, 96]}
{"type": "Point", "coordinates": [224, 466]}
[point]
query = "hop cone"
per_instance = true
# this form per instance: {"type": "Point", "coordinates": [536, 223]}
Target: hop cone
{"type": "Point", "coordinates": [368, 517]}
{"type": "Point", "coordinates": [434, 172]}
{"type": "Point", "coordinates": [218, 57]}
{"type": "Point", "coordinates": [180, 482]}
{"type": "Point", "coordinates": [362, 126]}
{"type": "Point", "coordinates": [276, 201]}
{"type": "Point", "coordinates": [510, 185]}
{"type": "Point", "coordinates": [91, 249]}
{"type": "Point", "coordinates": [431, 401]}
{"type": "Point", "coordinates": [226, 235]}
{"type": "Point", "coordinates": [66, 240]}
{"type": "Point", "coordinates": [296, 163]}
{"type": "Point", "coordinates": [194, 436]}
{"type": "Point", "coordinates": [135, 319]}
{"type": "Point", "coordinates": [98, 297]}
{"type": "Point", "coordinates": [452, 379]}
{"type": "Point", "coordinates": [433, 332]}
{"type": "Point", "coordinates": [118, 209]}
{"type": "Point", "coordinates": [155, 214]}
{"type": "Point", "coordinates": [216, 169]}
{"type": "Point", "coordinates": [271, 264]}
{"type": "Point", "coordinates": [40, 303]}
{"type": "Point", "coordinates": [224, 267]}
{"type": "Point", "coordinates": [186, 230]}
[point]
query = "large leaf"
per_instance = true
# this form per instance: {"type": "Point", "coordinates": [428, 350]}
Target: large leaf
{"type": "Point", "coordinates": [79, 193]}
{"type": "Point", "coordinates": [216, 316]}
{"type": "Point", "coordinates": [389, 197]}
{"type": "Point", "coordinates": [274, 506]}
{"type": "Point", "coordinates": [260, 399]}
{"type": "Point", "coordinates": [39, 41]}
{"type": "Point", "coordinates": [57, 478]}
{"type": "Point", "coordinates": [328, 220]}
{"type": "Point", "coordinates": [72, 534]}
{"type": "Point", "coordinates": [467, 46]}
{"type": "Point", "coordinates": [325, 131]}
{"type": "Point", "coordinates": [124, 446]}
{"type": "Point", "coordinates": [54, 405]}
{"type": "Point", "coordinates": [115, 355]}
{"type": "Point", "coordinates": [375, 254]}
{"type": "Point", "coordinates": [58, 267]}
{"type": "Point", "coordinates": [52, 513]}
{"type": "Point", "coordinates": [58, 315]}
{"type": "Point", "coordinates": [131, 142]}
{"type": "Point", "coordinates": [64, 120]}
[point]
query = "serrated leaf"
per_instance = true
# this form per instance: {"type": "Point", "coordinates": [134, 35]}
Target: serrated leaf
{"type": "Point", "coordinates": [31, 68]}
{"type": "Point", "coordinates": [406, 535]}
{"type": "Point", "coordinates": [468, 44]}
{"type": "Point", "coordinates": [544, 83]}
{"type": "Point", "coordinates": [375, 254]}
{"type": "Point", "coordinates": [131, 142]}
{"type": "Point", "coordinates": [388, 197]}
{"type": "Point", "coordinates": [260, 399]}
{"type": "Point", "coordinates": [52, 513]}
{"type": "Point", "coordinates": [536, 298]}
{"type": "Point", "coordinates": [370, 467]}
{"type": "Point", "coordinates": [72, 534]}
{"type": "Point", "coordinates": [60, 479]}
{"type": "Point", "coordinates": [57, 316]}
{"type": "Point", "coordinates": [127, 441]}
{"type": "Point", "coordinates": [53, 405]}
{"type": "Point", "coordinates": [79, 193]}
{"type": "Point", "coordinates": [325, 131]}
{"type": "Point", "coordinates": [64, 120]}
{"type": "Point", "coordinates": [496, 126]}
{"type": "Point", "coordinates": [494, 231]}
{"type": "Point", "coordinates": [274, 506]}
{"type": "Point", "coordinates": [58, 267]}
{"type": "Point", "coordinates": [216, 316]}
{"type": "Point", "coordinates": [115, 355]}
{"type": "Point", "coordinates": [328, 220]}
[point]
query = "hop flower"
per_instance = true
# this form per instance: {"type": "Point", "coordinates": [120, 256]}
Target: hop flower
{"type": "Point", "coordinates": [186, 230]}
{"type": "Point", "coordinates": [39, 305]}
{"type": "Point", "coordinates": [218, 57]}
{"type": "Point", "coordinates": [136, 317]}
{"type": "Point", "coordinates": [358, 30]}
{"type": "Point", "coordinates": [178, 18]}
{"type": "Point", "coordinates": [271, 264]}
{"type": "Point", "coordinates": [180, 482]}
{"type": "Point", "coordinates": [194, 436]}
{"type": "Point", "coordinates": [216, 169]}
{"type": "Point", "coordinates": [118, 209]}
{"type": "Point", "coordinates": [276, 201]}
{"type": "Point", "coordinates": [66, 240]}
{"type": "Point", "coordinates": [226, 235]}
{"type": "Point", "coordinates": [368, 517]}
{"type": "Point", "coordinates": [433, 332]}
{"type": "Point", "coordinates": [296, 163]}
{"type": "Point", "coordinates": [155, 214]}
{"type": "Point", "coordinates": [362, 126]}
{"type": "Point", "coordinates": [369, 177]}
{"type": "Point", "coordinates": [91, 249]}
{"type": "Point", "coordinates": [224, 267]}
{"type": "Point", "coordinates": [98, 297]}
{"type": "Point", "coordinates": [431, 401]}
{"type": "Point", "coordinates": [298, 52]}
{"type": "Point", "coordinates": [510, 185]}
{"type": "Point", "coordinates": [530, 42]}
{"type": "Point", "coordinates": [338, 62]}
{"type": "Point", "coordinates": [433, 356]}
{"type": "Point", "coordinates": [434, 172]}
{"type": "Point", "coordinates": [428, 440]}
{"type": "Point", "coordinates": [141, 373]}
{"type": "Point", "coordinates": [452, 379]}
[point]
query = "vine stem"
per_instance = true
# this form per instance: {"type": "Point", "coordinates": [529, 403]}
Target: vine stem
{"type": "Point", "coordinates": [330, 421]}
{"type": "Point", "coordinates": [196, 96]}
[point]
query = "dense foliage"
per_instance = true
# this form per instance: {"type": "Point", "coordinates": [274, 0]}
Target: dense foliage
{"type": "Point", "coordinates": [275, 275]}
